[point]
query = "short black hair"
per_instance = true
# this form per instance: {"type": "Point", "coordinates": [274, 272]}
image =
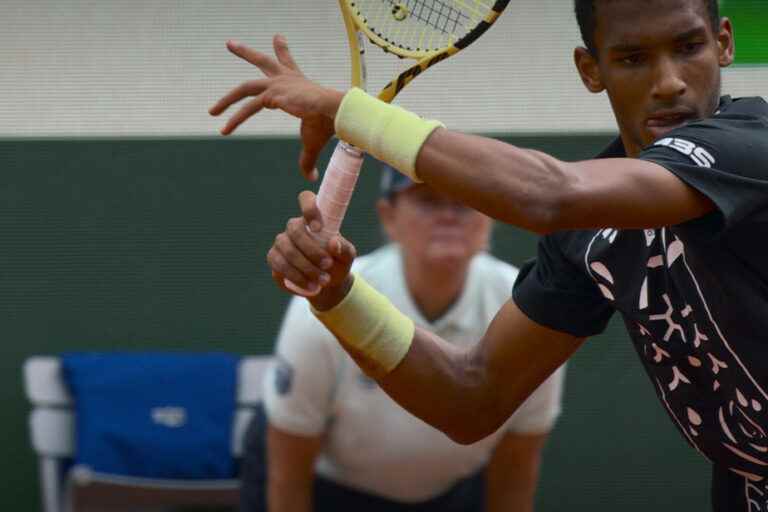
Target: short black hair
{"type": "Point", "coordinates": [585, 15]}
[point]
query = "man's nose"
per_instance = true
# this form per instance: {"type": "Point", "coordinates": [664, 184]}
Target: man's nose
{"type": "Point", "coordinates": [668, 81]}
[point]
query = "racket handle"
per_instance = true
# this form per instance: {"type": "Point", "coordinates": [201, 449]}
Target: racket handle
{"type": "Point", "coordinates": [333, 197]}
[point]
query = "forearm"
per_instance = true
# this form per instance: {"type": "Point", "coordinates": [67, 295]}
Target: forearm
{"type": "Point", "coordinates": [290, 471]}
{"type": "Point", "coordinates": [287, 495]}
{"type": "Point", "coordinates": [515, 185]}
{"type": "Point", "coordinates": [518, 186]}
{"type": "Point", "coordinates": [462, 392]}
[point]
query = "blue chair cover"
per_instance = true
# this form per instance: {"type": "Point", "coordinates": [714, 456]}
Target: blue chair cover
{"type": "Point", "coordinates": [154, 415]}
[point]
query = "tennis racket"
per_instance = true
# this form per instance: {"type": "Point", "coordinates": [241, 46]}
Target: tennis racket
{"type": "Point", "coordinates": [425, 31]}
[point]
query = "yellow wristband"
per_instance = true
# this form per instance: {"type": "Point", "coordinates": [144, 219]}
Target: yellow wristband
{"type": "Point", "coordinates": [370, 324]}
{"type": "Point", "coordinates": [388, 132]}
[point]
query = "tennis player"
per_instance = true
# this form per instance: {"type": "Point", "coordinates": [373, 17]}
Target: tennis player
{"type": "Point", "coordinates": [323, 411]}
{"type": "Point", "coordinates": [669, 227]}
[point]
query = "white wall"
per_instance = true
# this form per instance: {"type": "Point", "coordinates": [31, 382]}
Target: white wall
{"type": "Point", "coordinates": [153, 67]}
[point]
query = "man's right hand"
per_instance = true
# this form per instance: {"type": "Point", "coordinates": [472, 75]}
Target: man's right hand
{"type": "Point", "coordinates": [299, 255]}
{"type": "Point", "coordinates": [283, 87]}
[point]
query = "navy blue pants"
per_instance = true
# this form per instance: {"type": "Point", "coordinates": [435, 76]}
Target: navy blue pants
{"type": "Point", "coordinates": [466, 496]}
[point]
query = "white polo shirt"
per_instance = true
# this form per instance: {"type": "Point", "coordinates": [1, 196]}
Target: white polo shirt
{"type": "Point", "coordinates": [372, 444]}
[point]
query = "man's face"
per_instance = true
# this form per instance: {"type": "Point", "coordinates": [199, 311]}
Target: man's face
{"type": "Point", "coordinates": [659, 61]}
{"type": "Point", "coordinates": [433, 229]}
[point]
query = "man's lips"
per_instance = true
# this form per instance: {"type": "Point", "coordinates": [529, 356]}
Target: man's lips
{"type": "Point", "coordinates": [665, 121]}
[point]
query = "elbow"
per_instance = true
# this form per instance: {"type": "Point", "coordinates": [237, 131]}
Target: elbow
{"type": "Point", "coordinates": [485, 416]}
{"type": "Point", "coordinates": [478, 408]}
{"type": "Point", "coordinates": [474, 426]}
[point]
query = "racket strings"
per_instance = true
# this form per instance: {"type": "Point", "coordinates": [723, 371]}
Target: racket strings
{"type": "Point", "coordinates": [441, 16]}
{"type": "Point", "coordinates": [421, 26]}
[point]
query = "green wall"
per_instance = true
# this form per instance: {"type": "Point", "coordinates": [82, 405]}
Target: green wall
{"type": "Point", "coordinates": [160, 244]}
{"type": "Point", "coordinates": [750, 23]}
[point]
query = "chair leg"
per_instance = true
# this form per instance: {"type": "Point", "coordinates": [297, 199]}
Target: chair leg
{"type": "Point", "coordinates": [50, 484]}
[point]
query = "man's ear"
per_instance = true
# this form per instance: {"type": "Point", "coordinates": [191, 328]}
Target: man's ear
{"type": "Point", "coordinates": [725, 41]}
{"type": "Point", "coordinates": [386, 213]}
{"type": "Point", "coordinates": [589, 71]}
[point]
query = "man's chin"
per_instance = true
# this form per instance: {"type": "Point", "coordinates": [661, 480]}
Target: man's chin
{"type": "Point", "coordinates": [659, 132]}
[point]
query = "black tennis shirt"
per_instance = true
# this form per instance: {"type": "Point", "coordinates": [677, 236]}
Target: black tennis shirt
{"type": "Point", "coordinates": [694, 296]}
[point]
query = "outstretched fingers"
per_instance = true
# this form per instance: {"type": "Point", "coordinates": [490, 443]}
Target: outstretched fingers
{"type": "Point", "coordinates": [283, 54]}
{"type": "Point", "coordinates": [245, 89]}
{"type": "Point", "coordinates": [249, 109]}
{"type": "Point", "coordinates": [264, 62]}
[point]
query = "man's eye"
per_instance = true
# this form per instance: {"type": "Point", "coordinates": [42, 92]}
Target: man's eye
{"type": "Point", "coordinates": [689, 48]}
{"type": "Point", "coordinates": [632, 59]}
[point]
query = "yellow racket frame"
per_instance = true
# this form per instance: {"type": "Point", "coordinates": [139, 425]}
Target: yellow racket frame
{"type": "Point", "coordinates": [355, 24]}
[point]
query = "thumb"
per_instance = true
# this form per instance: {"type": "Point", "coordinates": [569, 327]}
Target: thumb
{"type": "Point", "coordinates": [309, 210]}
{"type": "Point", "coordinates": [342, 250]}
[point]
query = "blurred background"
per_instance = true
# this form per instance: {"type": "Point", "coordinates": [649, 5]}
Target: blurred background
{"type": "Point", "coordinates": [127, 222]}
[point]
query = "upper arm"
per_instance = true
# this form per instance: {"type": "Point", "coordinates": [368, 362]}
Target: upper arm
{"type": "Point", "coordinates": [540, 411]}
{"type": "Point", "coordinates": [518, 355]}
{"type": "Point", "coordinates": [626, 193]}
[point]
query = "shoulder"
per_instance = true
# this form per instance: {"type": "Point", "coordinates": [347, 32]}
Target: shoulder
{"type": "Point", "coordinates": [734, 140]}
{"type": "Point", "coordinates": [754, 107]}
{"type": "Point", "coordinates": [737, 123]}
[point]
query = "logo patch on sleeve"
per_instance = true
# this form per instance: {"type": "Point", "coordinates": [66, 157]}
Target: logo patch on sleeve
{"type": "Point", "coordinates": [283, 377]}
{"type": "Point", "coordinates": [698, 154]}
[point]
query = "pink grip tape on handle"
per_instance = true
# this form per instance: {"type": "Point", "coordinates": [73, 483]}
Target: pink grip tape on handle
{"type": "Point", "coordinates": [333, 197]}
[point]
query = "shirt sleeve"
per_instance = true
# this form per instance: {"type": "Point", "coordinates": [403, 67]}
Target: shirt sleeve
{"type": "Point", "coordinates": [727, 161]}
{"type": "Point", "coordinates": [554, 292]}
{"type": "Point", "coordinates": [539, 412]}
{"type": "Point", "coordinates": [299, 386]}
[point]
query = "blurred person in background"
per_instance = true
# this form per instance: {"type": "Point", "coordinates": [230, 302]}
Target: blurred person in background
{"type": "Point", "coordinates": [323, 412]}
